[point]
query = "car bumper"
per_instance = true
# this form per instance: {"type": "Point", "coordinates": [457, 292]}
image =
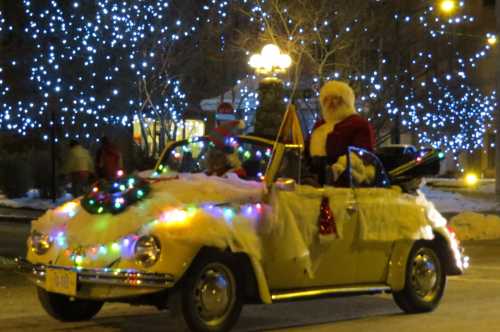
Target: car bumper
{"type": "Point", "coordinates": [130, 282]}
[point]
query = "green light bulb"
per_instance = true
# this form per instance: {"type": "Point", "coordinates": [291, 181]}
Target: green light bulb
{"type": "Point", "coordinates": [78, 260]}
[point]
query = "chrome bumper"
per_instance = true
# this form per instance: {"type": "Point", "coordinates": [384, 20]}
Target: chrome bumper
{"type": "Point", "coordinates": [111, 277]}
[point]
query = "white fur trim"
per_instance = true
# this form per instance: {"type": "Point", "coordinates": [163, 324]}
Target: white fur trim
{"type": "Point", "coordinates": [317, 146]}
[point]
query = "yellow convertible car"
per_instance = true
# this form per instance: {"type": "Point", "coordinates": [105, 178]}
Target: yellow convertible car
{"type": "Point", "coordinates": [203, 246]}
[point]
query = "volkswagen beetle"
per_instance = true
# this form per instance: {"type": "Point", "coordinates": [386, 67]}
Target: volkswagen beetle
{"type": "Point", "coordinates": [203, 246]}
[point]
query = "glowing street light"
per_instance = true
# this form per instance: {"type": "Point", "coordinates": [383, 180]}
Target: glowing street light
{"type": "Point", "coordinates": [491, 39]}
{"type": "Point", "coordinates": [448, 6]}
{"type": "Point", "coordinates": [270, 61]}
{"type": "Point", "coordinates": [471, 179]}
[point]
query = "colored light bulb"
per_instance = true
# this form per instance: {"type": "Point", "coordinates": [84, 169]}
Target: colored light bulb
{"type": "Point", "coordinates": [78, 260]}
{"type": "Point", "coordinates": [115, 247]}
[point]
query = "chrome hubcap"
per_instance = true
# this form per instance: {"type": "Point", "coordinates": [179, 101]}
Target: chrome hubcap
{"type": "Point", "coordinates": [215, 293]}
{"type": "Point", "coordinates": [425, 275]}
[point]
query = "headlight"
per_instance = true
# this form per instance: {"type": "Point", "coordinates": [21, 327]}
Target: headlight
{"type": "Point", "coordinates": [147, 250]}
{"type": "Point", "coordinates": [40, 243]}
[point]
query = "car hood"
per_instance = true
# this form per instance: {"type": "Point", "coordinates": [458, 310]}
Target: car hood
{"type": "Point", "coordinates": [81, 228]}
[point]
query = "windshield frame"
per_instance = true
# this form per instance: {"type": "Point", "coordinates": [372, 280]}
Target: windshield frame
{"type": "Point", "coordinates": [277, 150]}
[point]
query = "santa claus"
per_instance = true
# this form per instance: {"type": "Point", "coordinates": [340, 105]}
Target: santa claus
{"type": "Point", "coordinates": [340, 128]}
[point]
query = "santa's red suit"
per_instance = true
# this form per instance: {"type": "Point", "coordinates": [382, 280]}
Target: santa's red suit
{"type": "Point", "coordinates": [340, 128]}
{"type": "Point", "coordinates": [352, 131]}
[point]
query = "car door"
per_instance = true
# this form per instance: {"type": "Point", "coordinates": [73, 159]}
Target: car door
{"type": "Point", "coordinates": [372, 197]}
{"type": "Point", "coordinates": [296, 254]}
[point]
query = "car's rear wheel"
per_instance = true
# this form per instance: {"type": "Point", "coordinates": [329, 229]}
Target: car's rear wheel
{"type": "Point", "coordinates": [209, 298]}
{"type": "Point", "coordinates": [65, 309]}
{"type": "Point", "coordinates": [425, 280]}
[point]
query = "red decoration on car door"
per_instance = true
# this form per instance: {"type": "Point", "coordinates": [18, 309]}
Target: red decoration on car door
{"type": "Point", "coordinates": [326, 220]}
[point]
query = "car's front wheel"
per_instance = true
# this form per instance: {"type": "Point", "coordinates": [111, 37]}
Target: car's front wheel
{"type": "Point", "coordinates": [65, 309]}
{"type": "Point", "coordinates": [209, 298]}
{"type": "Point", "coordinates": [425, 280]}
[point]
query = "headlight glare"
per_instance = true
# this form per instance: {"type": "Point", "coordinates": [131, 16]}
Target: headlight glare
{"type": "Point", "coordinates": [147, 250]}
{"type": "Point", "coordinates": [40, 243]}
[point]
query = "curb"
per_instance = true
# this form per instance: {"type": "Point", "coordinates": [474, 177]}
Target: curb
{"type": "Point", "coordinates": [449, 215]}
{"type": "Point", "coordinates": [19, 215]}
{"type": "Point", "coordinates": [16, 219]}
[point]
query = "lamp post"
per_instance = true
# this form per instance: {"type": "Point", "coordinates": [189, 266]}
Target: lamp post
{"type": "Point", "coordinates": [269, 63]}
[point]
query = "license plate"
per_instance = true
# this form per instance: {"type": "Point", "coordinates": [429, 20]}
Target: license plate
{"type": "Point", "coordinates": [61, 282]}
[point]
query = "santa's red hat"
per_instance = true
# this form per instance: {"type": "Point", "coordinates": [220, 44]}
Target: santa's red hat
{"type": "Point", "coordinates": [331, 117]}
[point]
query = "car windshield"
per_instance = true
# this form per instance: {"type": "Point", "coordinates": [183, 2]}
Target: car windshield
{"type": "Point", "coordinates": [199, 155]}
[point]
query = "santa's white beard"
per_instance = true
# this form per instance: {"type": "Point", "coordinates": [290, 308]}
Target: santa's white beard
{"type": "Point", "coordinates": [337, 115]}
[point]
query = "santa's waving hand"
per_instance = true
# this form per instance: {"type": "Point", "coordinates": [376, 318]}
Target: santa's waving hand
{"type": "Point", "coordinates": [340, 128]}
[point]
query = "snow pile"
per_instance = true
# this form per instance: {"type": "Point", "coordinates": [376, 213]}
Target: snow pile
{"type": "Point", "coordinates": [6, 263]}
{"type": "Point", "coordinates": [476, 226]}
{"type": "Point", "coordinates": [33, 201]}
{"type": "Point", "coordinates": [449, 202]}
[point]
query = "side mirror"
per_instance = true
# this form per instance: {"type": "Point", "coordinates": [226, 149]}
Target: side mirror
{"type": "Point", "coordinates": [285, 184]}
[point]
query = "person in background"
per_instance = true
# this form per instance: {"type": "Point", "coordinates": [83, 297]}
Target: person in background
{"type": "Point", "coordinates": [223, 158]}
{"type": "Point", "coordinates": [108, 160]}
{"type": "Point", "coordinates": [79, 168]}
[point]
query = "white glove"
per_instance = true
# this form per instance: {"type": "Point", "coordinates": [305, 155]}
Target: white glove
{"type": "Point", "coordinates": [339, 167]}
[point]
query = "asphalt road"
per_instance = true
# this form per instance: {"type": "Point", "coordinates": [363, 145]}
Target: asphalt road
{"type": "Point", "coordinates": [471, 303]}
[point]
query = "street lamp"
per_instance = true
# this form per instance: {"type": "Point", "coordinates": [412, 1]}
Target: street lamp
{"type": "Point", "coordinates": [448, 6]}
{"type": "Point", "coordinates": [270, 62]}
{"type": "Point", "coordinates": [491, 39]}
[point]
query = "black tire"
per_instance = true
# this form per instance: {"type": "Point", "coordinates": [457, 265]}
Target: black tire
{"type": "Point", "coordinates": [425, 280]}
{"type": "Point", "coordinates": [62, 308]}
{"type": "Point", "coordinates": [188, 303]}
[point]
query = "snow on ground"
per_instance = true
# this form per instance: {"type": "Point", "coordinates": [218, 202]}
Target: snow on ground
{"type": "Point", "coordinates": [477, 207]}
{"type": "Point", "coordinates": [32, 201]}
{"type": "Point", "coordinates": [6, 263]}
{"type": "Point", "coordinates": [452, 196]}
{"type": "Point", "coordinates": [476, 226]}
{"type": "Point", "coordinates": [454, 202]}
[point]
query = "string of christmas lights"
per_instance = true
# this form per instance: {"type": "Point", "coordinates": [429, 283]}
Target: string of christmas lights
{"type": "Point", "coordinates": [170, 219]}
{"type": "Point", "coordinates": [105, 63]}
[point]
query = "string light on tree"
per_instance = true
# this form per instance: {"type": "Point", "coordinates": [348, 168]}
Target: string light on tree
{"type": "Point", "coordinates": [103, 61]}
